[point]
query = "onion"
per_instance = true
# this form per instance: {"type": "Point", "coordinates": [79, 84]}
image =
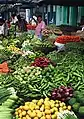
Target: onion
{"type": "Point", "coordinates": [60, 90]}
{"type": "Point", "coordinates": [62, 93]}
{"type": "Point", "coordinates": [55, 90]}
{"type": "Point", "coordinates": [67, 94]}
{"type": "Point", "coordinates": [63, 99]}
{"type": "Point", "coordinates": [71, 95]}
{"type": "Point", "coordinates": [54, 94]}
{"type": "Point", "coordinates": [58, 95]}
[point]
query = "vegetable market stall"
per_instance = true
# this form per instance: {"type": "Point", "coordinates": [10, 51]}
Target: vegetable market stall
{"type": "Point", "coordinates": [44, 85]}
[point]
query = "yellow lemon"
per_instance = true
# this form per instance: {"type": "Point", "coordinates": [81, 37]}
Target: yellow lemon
{"type": "Point", "coordinates": [33, 114]}
{"type": "Point", "coordinates": [55, 108]}
{"type": "Point", "coordinates": [34, 101]}
{"type": "Point", "coordinates": [27, 117]}
{"type": "Point", "coordinates": [20, 115]}
{"type": "Point", "coordinates": [21, 107]}
{"type": "Point", "coordinates": [25, 107]}
{"type": "Point", "coordinates": [41, 100]}
{"type": "Point", "coordinates": [16, 113]}
{"type": "Point", "coordinates": [37, 107]}
{"type": "Point", "coordinates": [53, 116]}
{"type": "Point", "coordinates": [31, 108]}
{"type": "Point", "coordinates": [47, 104]}
{"type": "Point", "coordinates": [52, 110]}
{"type": "Point", "coordinates": [57, 101]}
{"type": "Point", "coordinates": [42, 108]}
{"type": "Point", "coordinates": [60, 109]}
{"type": "Point", "coordinates": [35, 117]}
{"type": "Point", "coordinates": [43, 113]}
{"type": "Point", "coordinates": [39, 114]}
{"type": "Point", "coordinates": [52, 101]}
{"type": "Point", "coordinates": [62, 104]}
{"type": "Point", "coordinates": [17, 109]}
{"type": "Point", "coordinates": [47, 107]}
{"type": "Point", "coordinates": [47, 99]}
{"type": "Point", "coordinates": [24, 118]}
{"type": "Point", "coordinates": [43, 117]}
{"type": "Point", "coordinates": [56, 113]}
{"type": "Point", "coordinates": [24, 113]}
{"type": "Point", "coordinates": [29, 112]}
{"type": "Point", "coordinates": [47, 111]}
{"type": "Point", "coordinates": [69, 108]}
{"type": "Point", "coordinates": [52, 105]}
{"type": "Point", "coordinates": [39, 103]}
{"type": "Point", "coordinates": [57, 105]}
{"type": "Point", "coordinates": [27, 103]}
{"type": "Point", "coordinates": [64, 107]}
{"type": "Point", "coordinates": [48, 116]}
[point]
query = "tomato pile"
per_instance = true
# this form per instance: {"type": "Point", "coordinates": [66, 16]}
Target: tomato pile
{"type": "Point", "coordinates": [66, 39]}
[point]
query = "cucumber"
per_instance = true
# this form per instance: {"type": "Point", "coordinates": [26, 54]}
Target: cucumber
{"type": "Point", "coordinates": [8, 104]}
{"type": "Point", "coordinates": [3, 108]}
{"type": "Point", "coordinates": [6, 116]}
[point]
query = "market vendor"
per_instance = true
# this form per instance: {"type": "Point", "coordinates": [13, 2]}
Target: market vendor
{"type": "Point", "coordinates": [3, 27]}
{"type": "Point", "coordinates": [40, 26]}
{"type": "Point", "coordinates": [14, 19]}
{"type": "Point", "coordinates": [21, 23]}
{"type": "Point", "coordinates": [64, 39]}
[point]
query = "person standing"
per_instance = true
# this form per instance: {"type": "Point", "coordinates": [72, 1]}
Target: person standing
{"type": "Point", "coordinates": [14, 19]}
{"type": "Point", "coordinates": [22, 24]}
{"type": "Point", "coordinates": [40, 26]}
{"type": "Point", "coordinates": [3, 27]}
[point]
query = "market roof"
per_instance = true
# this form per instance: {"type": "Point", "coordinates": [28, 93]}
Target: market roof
{"type": "Point", "coordinates": [63, 2]}
{"type": "Point", "coordinates": [14, 1]}
{"type": "Point", "coordinates": [54, 2]}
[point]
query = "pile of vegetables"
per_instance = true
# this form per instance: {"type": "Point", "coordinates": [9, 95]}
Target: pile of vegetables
{"type": "Point", "coordinates": [51, 29]}
{"type": "Point", "coordinates": [13, 48]}
{"type": "Point", "coordinates": [41, 62]}
{"type": "Point", "coordinates": [43, 109]}
{"type": "Point", "coordinates": [62, 93]}
{"type": "Point", "coordinates": [36, 82]}
{"type": "Point", "coordinates": [7, 108]}
{"type": "Point", "coordinates": [67, 115]}
{"type": "Point", "coordinates": [66, 39]}
{"type": "Point", "coordinates": [4, 68]}
{"type": "Point", "coordinates": [4, 94]}
{"type": "Point", "coordinates": [33, 82]}
{"type": "Point", "coordinates": [31, 27]}
{"type": "Point", "coordinates": [8, 102]}
{"type": "Point", "coordinates": [77, 102]}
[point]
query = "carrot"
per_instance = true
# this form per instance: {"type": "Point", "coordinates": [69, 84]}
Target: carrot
{"type": "Point", "coordinates": [5, 70]}
{"type": "Point", "coordinates": [1, 66]}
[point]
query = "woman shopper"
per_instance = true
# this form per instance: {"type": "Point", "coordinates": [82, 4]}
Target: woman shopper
{"type": "Point", "coordinates": [40, 26]}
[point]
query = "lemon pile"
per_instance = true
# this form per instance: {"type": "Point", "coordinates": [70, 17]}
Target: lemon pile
{"type": "Point", "coordinates": [41, 109]}
{"type": "Point", "coordinates": [13, 48]}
